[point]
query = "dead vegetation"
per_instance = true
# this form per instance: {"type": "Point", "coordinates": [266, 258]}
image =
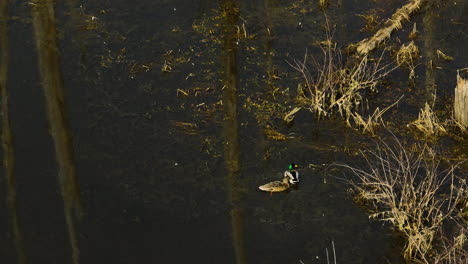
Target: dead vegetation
{"type": "Point", "coordinates": [407, 55]}
{"type": "Point", "coordinates": [273, 134]}
{"type": "Point", "coordinates": [453, 250]}
{"type": "Point", "coordinates": [337, 88]}
{"type": "Point", "coordinates": [372, 20]}
{"type": "Point", "coordinates": [408, 189]}
{"type": "Point", "coordinates": [324, 3]}
{"type": "Point", "coordinates": [368, 125]}
{"type": "Point", "coordinates": [428, 123]}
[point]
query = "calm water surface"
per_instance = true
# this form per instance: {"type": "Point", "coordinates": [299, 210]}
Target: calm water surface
{"type": "Point", "coordinates": [166, 103]}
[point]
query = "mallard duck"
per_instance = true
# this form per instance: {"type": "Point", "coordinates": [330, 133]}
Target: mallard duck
{"type": "Point", "coordinates": [276, 186]}
{"type": "Point", "coordinates": [291, 177]}
{"type": "Point", "coordinates": [292, 173]}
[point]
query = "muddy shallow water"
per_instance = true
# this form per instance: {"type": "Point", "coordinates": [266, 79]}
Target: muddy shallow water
{"type": "Point", "coordinates": [167, 102]}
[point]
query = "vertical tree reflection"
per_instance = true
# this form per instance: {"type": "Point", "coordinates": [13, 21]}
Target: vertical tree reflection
{"type": "Point", "coordinates": [46, 42]}
{"type": "Point", "coordinates": [429, 48]}
{"type": "Point", "coordinates": [7, 137]}
{"type": "Point", "coordinates": [267, 6]}
{"type": "Point", "coordinates": [230, 129]}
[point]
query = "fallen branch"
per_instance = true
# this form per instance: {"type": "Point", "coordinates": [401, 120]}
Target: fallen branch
{"type": "Point", "coordinates": [367, 45]}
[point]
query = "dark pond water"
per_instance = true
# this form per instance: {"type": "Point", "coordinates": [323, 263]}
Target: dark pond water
{"type": "Point", "coordinates": [169, 156]}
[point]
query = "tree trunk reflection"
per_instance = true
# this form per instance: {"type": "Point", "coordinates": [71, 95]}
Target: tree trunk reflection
{"type": "Point", "coordinates": [230, 128]}
{"type": "Point", "coordinates": [7, 136]}
{"type": "Point", "coordinates": [49, 65]}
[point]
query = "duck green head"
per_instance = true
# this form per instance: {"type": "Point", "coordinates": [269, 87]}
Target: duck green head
{"type": "Point", "coordinates": [293, 166]}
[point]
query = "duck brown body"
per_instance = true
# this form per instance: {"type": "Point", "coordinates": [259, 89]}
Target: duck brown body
{"type": "Point", "coordinates": [276, 186]}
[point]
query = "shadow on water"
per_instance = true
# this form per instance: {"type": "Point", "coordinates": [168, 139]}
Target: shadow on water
{"type": "Point", "coordinates": [230, 126]}
{"type": "Point", "coordinates": [7, 137]}
{"type": "Point", "coordinates": [49, 65]}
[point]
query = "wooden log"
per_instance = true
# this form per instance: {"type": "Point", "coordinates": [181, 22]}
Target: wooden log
{"type": "Point", "coordinates": [367, 45]}
{"type": "Point", "coordinates": [461, 101]}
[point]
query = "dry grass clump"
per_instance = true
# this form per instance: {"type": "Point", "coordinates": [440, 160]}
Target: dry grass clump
{"type": "Point", "coordinates": [452, 122]}
{"type": "Point", "coordinates": [369, 124]}
{"type": "Point", "coordinates": [324, 3]}
{"type": "Point", "coordinates": [408, 190]}
{"type": "Point", "coordinates": [407, 56]}
{"type": "Point", "coordinates": [336, 87]}
{"type": "Point", "coordinates": [428, 123]}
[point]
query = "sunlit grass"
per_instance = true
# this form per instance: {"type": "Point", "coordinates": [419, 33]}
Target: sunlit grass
{"type": "Point", "coordinates": [428, 123]}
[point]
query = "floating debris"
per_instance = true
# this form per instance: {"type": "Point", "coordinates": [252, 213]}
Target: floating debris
{"type": "Point", "coordinates": [180, 91]}
{"type": "Point", "coordinates": [442, 55]}
{"type": "Point", "coordinates": [289, 117]}
{"type": "Point", "coordinates": [186, 127]}
{"type": "Point", "coordinates": [273, 134]}
{"type": "Point", "coordinates": [166, 67]}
